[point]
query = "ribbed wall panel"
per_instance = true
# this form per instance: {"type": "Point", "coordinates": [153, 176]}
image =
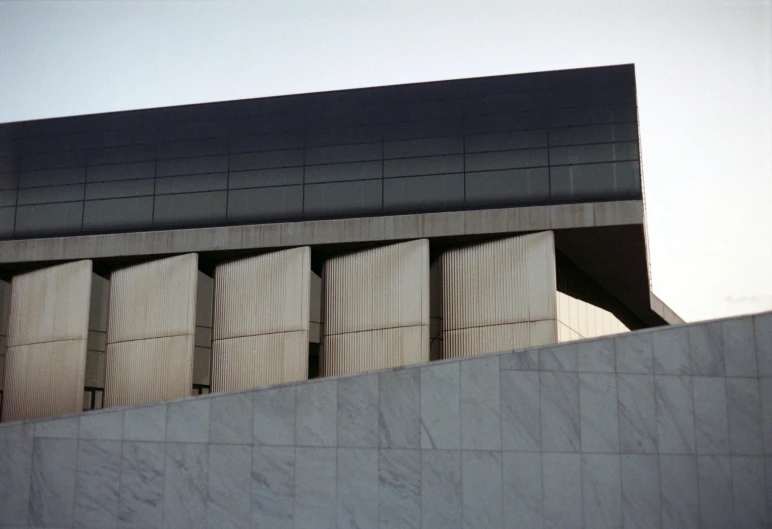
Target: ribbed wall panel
{"type": "Point", "coordinates": [377, 288]}
{"type": "Point", "coordinates": [151, 331]}
{"type": "Point", "coordinates": [499, 282]}
{"type": "Point", "coordinates": [376, 308]}
{"type": "Point", "coordinates": [44, 379]}
{"type": "Point", "coordinates": [489, 288]}
{"type": "Point", "coordinates": [153, 299]}
{"type": "Point", "coordinates": [45, 359]}
{"type": "Point", "coordinates": [261, 320]}
{"type": "Point", "coordinates": [263, 294]}
{"type": "Point", "coordinates": [477, 340]}
{"type": "Point", "coordinates": [371, 350]}
{"type": "Point", "coordinates": [50, 304]}
{"type": "Point", "coordinates": [143, 371]}
{"type": "Point", "coordinates": [262, 360]}
{"type": "Point", "coordinates": [578, 319]}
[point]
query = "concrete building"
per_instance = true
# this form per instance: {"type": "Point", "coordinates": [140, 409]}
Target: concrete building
{"type": "Point", "coordinates": [152, 256]}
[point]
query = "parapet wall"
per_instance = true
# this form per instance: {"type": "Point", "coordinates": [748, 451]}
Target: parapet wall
{"type": "Point", "coordinates": [669, 427]}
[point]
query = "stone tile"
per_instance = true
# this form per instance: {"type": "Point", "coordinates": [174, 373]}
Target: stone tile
{"type": "Point", "coordinates": [634, 353]}
{"type": "Point", "coordinates": [98, 478]}
{"type": "Point", "coordinates": [640, 491]}
{"type": "Point", "coordinates": [186, 485]}
{"type": "Point", "coordinates": [680, 499]}
{"type": "Point", "coordinates": [559, 404]}
{"type": "Point", "coordinates": [230, 419]}
{"type": "Point", "coordinates": [715, 483]}
{"type": "Point", "coordinates": [765, 389]}
{"type": "Point", "coordinates": [522, 489]}
{"type": "Point", "coordinates": [637, 414]}
{"type": "Point", "coordinates": [481, 488]}
{"type": "Point", "coordinates": [273, 487]}
{"type": "Point", "coordinates": [16, 472]}
{"type": "Point", "coordinates": [188, 421]}
{"type": "Point", "coordinates": [145, 424]}
{"type": "Point", "coordinates": [142, 485]}
{"type": "Point", "coordinates": [399, 409]}
{"type": "Point", "coordinates": [230, 477]}
{"type": "Point", "coordinates": [558, 358]}
{"type": "Point", "coordinates": [315, 487]}
{"type": "Point", "coordinates": [358, 411]}
{"type": "Point", "coordinates": [58, 428]}
{"type": "Point", "coordinates": [441, 406]}
{"type": "Point", "coordinates": [274, 422]}
{"type": "Point", "coordinates": [599, 419]}
{"type": "Point", "coordinates": [749, 486]}
{"type": "Point", "coordinates": [762, 332]}
{"type": "Point", "coordinates": [597, 356]}
{"type": "Point", "coordinates": [744, 414]}
{"type": "Point", "coordinates": [520, 418]}
{"type": "Point", "coordinates": [52, 491]}
{"type": "Point", "coordinates": [316, 413]}
{"type": "Point", "coordinates": [711, 425]}
{"type": "Point", "coordinates": [562, 483]}
{"type": "Point", "coordinates": [106, 426]}
{"type": "Point", "coordinates": [357, 487]}
{"type": "Point", "coordinates": [441, 489]}
{"type": "Point", "coordinates": [399, 489]}
{"type": "Point", "coordinates": [602, 491]}
{"type": "Point", "coordinates": [739, 348]}
{"type": "Point", "coordinates": [675, 414]}
{"type": "Point", "coordinates": [520, 360]}
{"type": "Point", "coordinates": [706, 350]}
{"type": "Point", "coordinates": [480, 404]}
{"type": "Point", "coordinates": [670, 347]}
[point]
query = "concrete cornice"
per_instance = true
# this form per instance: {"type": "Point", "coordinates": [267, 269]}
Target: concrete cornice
{"type": "Point", "coordinates": [310, 233]}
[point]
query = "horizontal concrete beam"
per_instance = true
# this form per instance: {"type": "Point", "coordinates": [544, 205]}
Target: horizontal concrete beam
{"type": "Point", "coordinates": [310, 233]}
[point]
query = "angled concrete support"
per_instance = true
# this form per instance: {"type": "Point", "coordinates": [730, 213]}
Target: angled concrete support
{"type": "Point", "coordinates": [151, 330]}
{"type": "Point", "coordinates": [46, 345]}
{"type": "Point", "coordinates": [499, 295]}
{"type": "Point", "coordinates": [261, 320]}
{"type": "Point", "coordinates": [376, 305]}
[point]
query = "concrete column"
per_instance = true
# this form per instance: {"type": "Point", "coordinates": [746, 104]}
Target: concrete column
{"type": "Point", "coordinates": [5, 300]}
{"type": "Point", "coordinates": [202, 362]}
{"type": "Point", "coordinates": [376, 305]}
{"type": "Point", "coordinates": [578, 319]}
{"type": "Point", "coordinates": [261, 320]}
{"type": "Point", "coordinates": [46, 346]}
{"type": "Point", "coordinates": [150, 331]}
{"type": "Point", "coordinates": [499, 295]}
{"type": "Point", "coordinates": [97, 334]}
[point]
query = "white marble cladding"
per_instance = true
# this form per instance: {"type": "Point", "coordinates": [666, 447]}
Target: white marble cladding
{"type": "Point", "coordinates": [376, 308]}
{"type": "Point", "coordinates": [45, 359]}
{"type": "Point", "coordinates": [151, 331]}
{"type": "Point", "coordinates": [499, 295]}
{"type": "Point", "coordinates": [624, 431]}
{"type": "Point", "coordinates": [261, 320]}
{"type": "Point", "coordinates": [578, 319]}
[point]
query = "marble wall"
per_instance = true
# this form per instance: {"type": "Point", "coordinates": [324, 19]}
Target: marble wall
{"type": "Point", "coordinates": [662, 428]}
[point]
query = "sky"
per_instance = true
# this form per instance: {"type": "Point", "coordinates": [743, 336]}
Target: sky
{"type": "Point", "coordinates": [703, 68]}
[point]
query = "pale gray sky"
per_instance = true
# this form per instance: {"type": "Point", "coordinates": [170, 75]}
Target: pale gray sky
{"type": "Point", "coordinates": [704, 71]}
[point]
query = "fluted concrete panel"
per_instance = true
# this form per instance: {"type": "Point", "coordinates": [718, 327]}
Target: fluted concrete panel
{"type": "Point", "coordinates": [263, 294]}
{"type": "Point", "coordinates": [153, 299]}
{"type": "Point", "coordinates": [492, 293]}
{"type": "Point", "coordinates": [376, 308]}
{"type": "Point", "coordinates": [45, 359]}
{"type": "Point", "coordinates": [378, 349]}
{"type": "Point", "coordinates": [142, 371]}
{"type": "Point", "coordinates": [5, 299]}
{"type": "Point", "coordinates": [262, 360]}
{"type": "Point", "coordinates": [50, 304]}
{"type": "Point", "coordinates": [44, 379]}
{"type": "Point", "coordinates": [472, 341]}
{"type": "Point", "coordinates": [151, 331]}
{"type": "Point", "coordinates": [377, 288]}
{"type": "Point", "coordinates": [261, 320]}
